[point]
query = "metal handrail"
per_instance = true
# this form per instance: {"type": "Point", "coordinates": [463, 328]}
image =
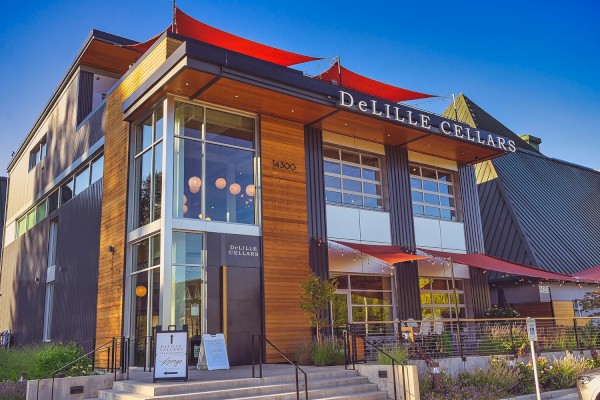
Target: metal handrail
{"type": "Point", "coordinates": [394, 361]}
{"type": "Point", "coordinates": [296, 366]}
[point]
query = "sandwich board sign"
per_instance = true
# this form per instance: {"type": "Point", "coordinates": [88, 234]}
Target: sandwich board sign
{"type": "Point", "coordinates": [213, 353]}
{"type": "Point", "coordinates": [171, 354]}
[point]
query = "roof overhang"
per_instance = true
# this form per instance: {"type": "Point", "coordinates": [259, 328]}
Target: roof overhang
{"type": "Point", "coordinates": [199, 71]}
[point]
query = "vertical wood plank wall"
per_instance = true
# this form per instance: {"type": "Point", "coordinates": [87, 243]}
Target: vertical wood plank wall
{"type": "Point", "coordinates": [111, 267]}
{"type": "Point", "coordinates": [285, 233]}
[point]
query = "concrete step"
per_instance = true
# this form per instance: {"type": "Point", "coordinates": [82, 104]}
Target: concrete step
{"type": "Point", "coordinates": [322, 385]}
{"type": "Point", "coordinates": [340, 385]}
{"type": "Point", "coordinates": [161, 389]}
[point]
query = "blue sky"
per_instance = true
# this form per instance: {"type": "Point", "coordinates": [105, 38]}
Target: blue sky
{"type": "Point", "coordinates": [534, 65]}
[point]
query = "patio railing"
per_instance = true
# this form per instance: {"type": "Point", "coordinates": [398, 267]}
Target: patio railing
{"type": "Point", "coordinates": [441, 338]}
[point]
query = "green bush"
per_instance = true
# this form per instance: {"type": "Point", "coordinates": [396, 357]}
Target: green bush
{"type": "Point", "coordinates": [501, 312]}
{"type": "Point", "coordinates": [556, 375]}
{"type": "Point", "coordinates": [400, 354]}
{"type": "Point", "coordinates": [310, 352]}
{"type": "Point", "coordinates": [329, 352]}
{"type": "Point", "coordinates": [41, 360]}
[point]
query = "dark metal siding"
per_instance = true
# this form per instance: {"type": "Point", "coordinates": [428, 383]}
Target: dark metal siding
{"type": "Point", "coordinates": [77, 251]}
{"type": "Point", "coordinates": [502, 234]}
{"type": "Point", "coordinates": [480, 291]}
{"type": "Point", "coordinates": [315, 198]}
{"type": "Point", "coordinates": [557, 207]}
{"type": "Point", "coordinates": [408, 299]}
{"type": "Point", "coordinates": [84, 98]}
{"type": "Point", "coordinates": [23, 285]}
{"type": "Point", "coordinates": [75, 291]}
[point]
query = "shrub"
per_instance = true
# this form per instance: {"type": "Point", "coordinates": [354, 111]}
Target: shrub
{"type": "Point", "coordinates": [13, 390]}
{"type": "Point", "coordinates": [310, 352]}
{"type": "Point", "coordinates": [41, 360]}
{"type": "Point", "coordinates": [400, 354]}
{"type": "Point", "coordinates": [329, 352]}
{"type": "Point", "coordinates": [559, 374]}
{"type": "Point", "coordinates": [501, 312]}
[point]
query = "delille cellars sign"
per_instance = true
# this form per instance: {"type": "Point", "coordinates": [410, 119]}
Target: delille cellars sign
{"type": "Point", "coordinates": [423, 121]}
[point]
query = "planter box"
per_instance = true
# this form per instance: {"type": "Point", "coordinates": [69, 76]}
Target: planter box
{"type": "Point", "coordinates": [407, 379]}
{"type": "Point", "coordinates": [71, 388]}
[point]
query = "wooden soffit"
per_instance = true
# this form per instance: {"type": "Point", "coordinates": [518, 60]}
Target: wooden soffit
{"type": "Point", "coordinates": [109, 57]}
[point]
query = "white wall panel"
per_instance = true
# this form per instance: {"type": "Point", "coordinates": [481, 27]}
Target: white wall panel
{"type": "Point", "coordinates": [453, 235]}
{"type": "Point", "coordinates": [343, 223]}
{"type": "Point", "coordinates": [427, 232]}
{"type": "Point", "coordinates": [375, 226]}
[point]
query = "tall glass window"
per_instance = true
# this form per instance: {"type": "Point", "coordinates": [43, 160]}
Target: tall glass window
{"type": "Point", "coordinates": [145, 281]}
{"type": "Point", "coordinates": [215, 156]}
{"type": "Point", "coordinates": [187, 282]}
{"type": "Point", "coordinates": [148, 169]}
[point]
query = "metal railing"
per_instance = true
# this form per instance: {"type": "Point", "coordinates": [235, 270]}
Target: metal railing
{"type": "Point", "coordinates": [262, 342]}
{"type": "Point", "coordinates": [441, 338]}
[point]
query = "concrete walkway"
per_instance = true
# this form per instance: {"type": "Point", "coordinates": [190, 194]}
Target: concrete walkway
{"type": "Point", "coordinates": [565, 394]}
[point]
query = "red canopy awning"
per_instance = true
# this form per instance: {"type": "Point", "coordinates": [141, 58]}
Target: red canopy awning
{"type": "Point", "coordinates": [590, 274]}
{"type": "Point", "coordinates": [194, 29]}
{"type": "Point", "coordinates": [495, 264]}
{"type": "Point", "coordinates": [387, 253]}
{"type": "Point", "coordinates": [343, 77]}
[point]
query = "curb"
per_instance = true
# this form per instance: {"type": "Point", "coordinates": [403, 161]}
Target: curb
{"type": "Point", "coordinates": [545, 395]}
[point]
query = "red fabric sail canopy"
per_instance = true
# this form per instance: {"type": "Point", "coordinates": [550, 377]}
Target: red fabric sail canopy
{"type": "Point", "coordinates": [495, 264]}
{"type": "Point", "coordinates": [389, 254]}
{"type": "Point", "coordinates": [590, 274]}
{"type": "Point", "coordinates": [343, 77]}
{"type": "Point", "coordinates": [194, 29]}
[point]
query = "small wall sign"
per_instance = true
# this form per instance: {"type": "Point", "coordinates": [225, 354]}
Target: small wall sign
{"type": "Point", "coordinates": [284, 165]}
{"type": "Point", "coordinates": [213, 353]}
{"type": "Point", "coordinates": [171, 354]}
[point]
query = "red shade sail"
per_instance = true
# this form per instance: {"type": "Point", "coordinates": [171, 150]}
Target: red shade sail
{"type": "Point", "coordinates": [389, 254]}
{"type": "Point", "coordinates": [495, 264]}
{"type": "Point", "coordinates": [343, 77]}
{"type": "Point", "coordinates": [590, 274]}
{"type": "Point", "coordinates": [194, 29]}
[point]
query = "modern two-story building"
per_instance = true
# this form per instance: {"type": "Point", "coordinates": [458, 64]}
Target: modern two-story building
{"type": "Point", "coordinates": [180, 181]}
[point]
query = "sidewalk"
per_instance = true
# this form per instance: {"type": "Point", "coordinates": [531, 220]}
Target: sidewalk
{"type": "Point", "coordinates": [565, 394]}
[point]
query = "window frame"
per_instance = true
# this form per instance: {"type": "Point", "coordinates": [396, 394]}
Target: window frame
{"type": "Point", "coordinates": [362, 180]}
{"type": "Point", "coordinates": [453, 197]}
{"type": "Point", "coordinates": [204, 143]}
{"type": "Point", "coordinates": [450, 291]}
{"type": "Point", "coordinates": [38, 152]}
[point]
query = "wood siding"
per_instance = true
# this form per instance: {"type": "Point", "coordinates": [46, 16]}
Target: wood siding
{"type": "Point", "coordinates": [285, 233]}
{"type": "Point", "coordinates": [408, 299]}
{"type": "Point", "coordinates": [315, 197]}
{"type": "Point", "coordinates": [114, 205]}
{"type": "Point", "coordinates": [480, 289]}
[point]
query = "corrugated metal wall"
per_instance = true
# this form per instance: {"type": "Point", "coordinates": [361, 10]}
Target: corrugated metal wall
{"type": "Point", "coordinates": [480, 290]}
{"type": "Point", "coordinates": [316, 207]}
{"type": "Point", "coordinates": [23, 280]}
{"type": "Point", "coordinates": [408, 299]}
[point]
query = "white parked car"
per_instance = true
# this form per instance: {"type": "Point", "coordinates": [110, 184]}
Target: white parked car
{"type": "Point", "coordinates": [588, 385]}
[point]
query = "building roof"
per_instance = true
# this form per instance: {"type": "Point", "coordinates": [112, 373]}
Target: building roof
{"type": "Point", "coordinates": [536, 210]}
{"type": "Point", "coordinates": [98, 43]}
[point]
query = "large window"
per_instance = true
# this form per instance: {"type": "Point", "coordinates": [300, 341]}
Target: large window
{"type": "Point", "coordinates": [48, 306]}
{"type": "Point", "coordinates": [73, 186]}
{"type": "Point", "coordinates": [215, 154]}
{"type": "Point", "coordinates": [352, 178]}
{"type": "Point", "coordinates": [364, 298]}
{"type": "Point", "coordinates": [432, 193]}
{"type": "Point", "coordinates": [145, 279]}
{"type": "Point", "coordinates": [148, 169]}
{"type": "Point", "coordinates": [438, 299]}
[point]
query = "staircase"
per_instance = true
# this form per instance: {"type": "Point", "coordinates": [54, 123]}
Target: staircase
{"type": "Point", "coordinates": [333, 384]}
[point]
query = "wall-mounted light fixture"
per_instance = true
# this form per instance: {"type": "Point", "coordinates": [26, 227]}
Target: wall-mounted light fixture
{"type": "Point", "coordinates": [111, 249]}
